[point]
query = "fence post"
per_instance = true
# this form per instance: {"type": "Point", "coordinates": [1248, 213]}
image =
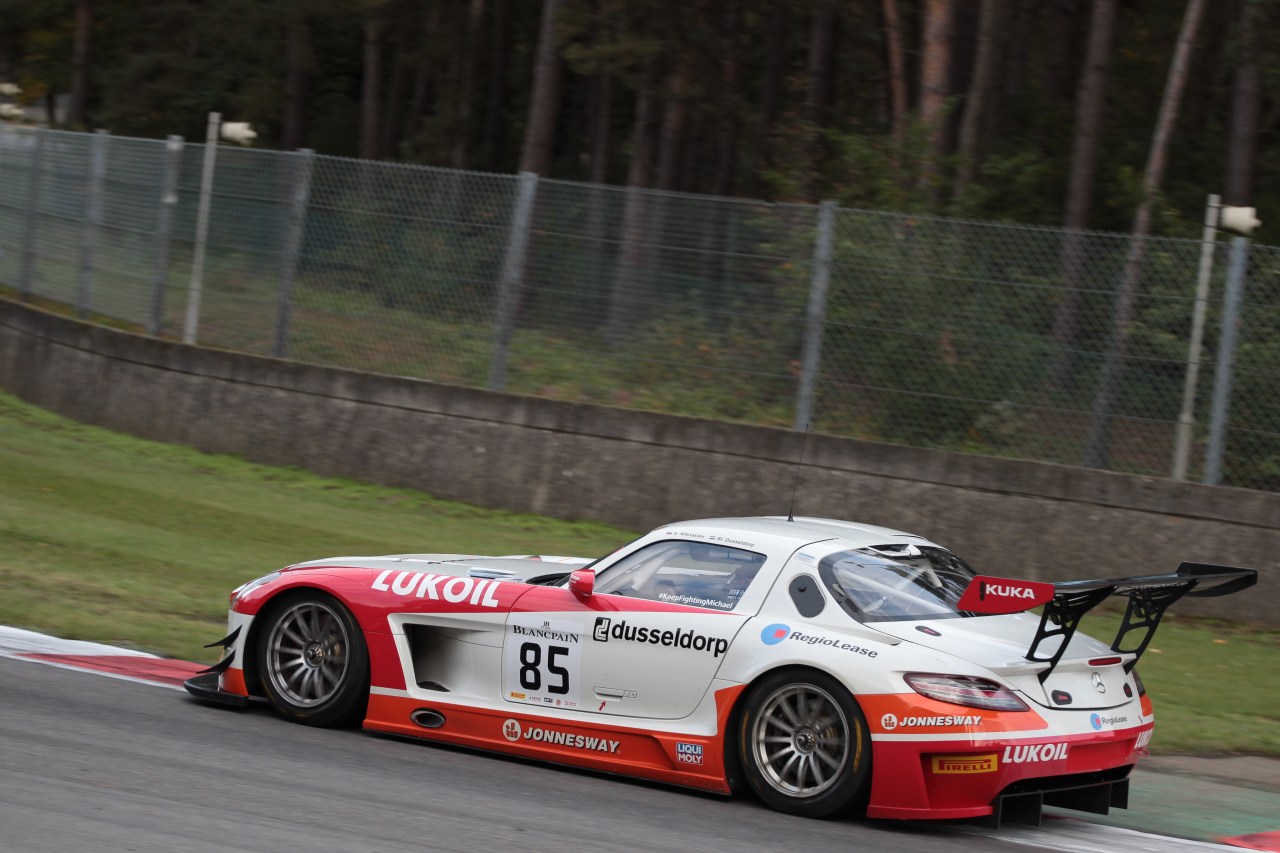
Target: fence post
{"type": "Point", "coordinates": [92, 220]}
{"type": "Point", "coordinates": [33, 215]}
{"type": "Point", "coordinates": [1231, 299]}
{"type": "Point", "coordinates": [819, 277]}
{"type": "Point", "coordinates": [164, 231]}
{"type": "Point", "coordinates": [1186, 417]}
{"type": "Point", "coordinates": [292, 249]}
{"type": "Point", "coordinates": [202, 230]}
{"type": "Point", "coordinates": [511, 279]}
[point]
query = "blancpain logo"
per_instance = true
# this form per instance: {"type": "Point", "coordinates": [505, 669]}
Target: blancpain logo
{"type": "Point", "coordinates": [546, 634]}
{"type": "Point", "coordinates": [512, 731]}
{"type": "Point", "coordinates": [892, 721]}
{"type": "Point", "coordinates": [450, 588]}
{"type": "Point", "coordinates": [1034, 753]}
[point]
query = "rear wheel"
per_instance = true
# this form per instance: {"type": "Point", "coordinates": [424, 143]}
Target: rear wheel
{"type": "Point", "coordinates": [804, 745]}
{"type": "Point", "coordinates": [313, 660]}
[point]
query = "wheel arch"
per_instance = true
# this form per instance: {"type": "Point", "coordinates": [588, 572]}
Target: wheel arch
{"type": "Point", "coordinates": [732, 745]}
{"type": "Point", "coordinates": [266, 609]}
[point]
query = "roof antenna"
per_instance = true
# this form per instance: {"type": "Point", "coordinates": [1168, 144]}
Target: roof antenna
{"type": "Point", "coordinates": [791, 510]}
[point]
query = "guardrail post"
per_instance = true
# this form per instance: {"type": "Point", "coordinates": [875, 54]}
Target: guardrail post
{"type": "Point", "coordinates": [164, 231]}
{"type": "Point", "coordinates": [819, 278]}
{"type": "Point", "coordinates": [92, 220]}
{"type": "Point", "coordinates": [1186, 416]}
{"type": "Point", "coordinates": [1231, 299]}
{"type": "Point", "coordinates": [195, 288]}
{"type": "Point", "coordinates": [28, 270]}
{"type": "Point", "coordinates": [292, 249]}
{"type": "Point", "coordinates": [511, 279]}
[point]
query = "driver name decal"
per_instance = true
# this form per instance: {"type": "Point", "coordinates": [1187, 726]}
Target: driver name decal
{"type": "Point", "coordinates": [451, 588]}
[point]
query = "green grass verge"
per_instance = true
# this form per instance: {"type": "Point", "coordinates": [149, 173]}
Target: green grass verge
{"type": "Point", "coordinates": [110, 538]}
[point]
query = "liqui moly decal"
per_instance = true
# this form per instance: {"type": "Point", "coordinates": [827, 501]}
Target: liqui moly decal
{"type": "Point", "coordinates": [689, 753]}
{"type": "Point", "coordinates": [1004, 595]}
{"type": "Point", "coordinates": [1034, 753]}
{"type": "Point", "coordinates": [450, 588]}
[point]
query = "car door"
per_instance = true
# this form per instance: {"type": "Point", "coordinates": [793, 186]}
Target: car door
{"type": "Point", "coordinates": [647, 643]}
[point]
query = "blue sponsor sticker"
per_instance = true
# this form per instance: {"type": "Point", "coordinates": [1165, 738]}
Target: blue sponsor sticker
{"type": "Point", "coordinates": [1095, 720]}
{"type": "Point", "coordinates": [775, 633]}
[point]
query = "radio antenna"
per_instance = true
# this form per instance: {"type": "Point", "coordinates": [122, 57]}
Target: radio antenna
{"type": "Point", "coordinates": [791, 510]}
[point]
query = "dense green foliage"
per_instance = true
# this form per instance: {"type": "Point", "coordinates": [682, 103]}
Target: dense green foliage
{"type": "Point", "coordinates": [746, 107]}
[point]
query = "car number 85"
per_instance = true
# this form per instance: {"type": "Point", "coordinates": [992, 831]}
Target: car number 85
{"type": "Point", "coordinates": [531, 674]}
{"type": "Point", "coordinates": [542, 661]}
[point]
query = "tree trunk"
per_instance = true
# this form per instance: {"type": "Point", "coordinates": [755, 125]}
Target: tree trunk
{"type": "Point", "coordinates": [1084, 160]}
{"type": "Point", "coordinates": [897, 72]}
{"type": "Point", "coordinates": [370, 90]}
{"type": "Point", "coordinates": [935, 65]}
{"type": "Point", "coordinates": [775, 69]}
{"type": "Point", "coordinates": [675, 114]}
{"type": "Point", "coordinates": [975, 102]}
{"type": "Point", "coordinates": [79, 115]}
{"type": "Point", "coordinates": [535, 155]}
{"type": "Point", "coordinates": [491, 141]}
{"type": "Point", "coordinates": [391, 126]}
{"type": "Point", "coordinates": [628, 297]}
{"type": "Point", "coordinates": [600, 125]}
{"type": "Point", "coordinates": [817, 99]}
{"type": "Point", "coordinates": [466, 91]}
{"type": "Point", "coordinates": [730, 78]}
{"type": "Point", "coordinates": [422, 95]}
{"type": "Point", "coordinates": [1097, 443]}
{"type": "Point", "coordinates": [1246, 99]}
{"type": "Point", "coordinates": [297, 74]}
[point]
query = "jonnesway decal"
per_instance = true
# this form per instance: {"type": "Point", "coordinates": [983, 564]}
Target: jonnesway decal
{"type": "Point", "coordinates": [892, 721]}
{"type": "Point", "coordinates": [450, 588]}
{"type": "Point", "coordinates": [513, 731]}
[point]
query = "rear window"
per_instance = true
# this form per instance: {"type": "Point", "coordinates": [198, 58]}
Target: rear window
{"type": "Point", "coordinates": [895, 583]}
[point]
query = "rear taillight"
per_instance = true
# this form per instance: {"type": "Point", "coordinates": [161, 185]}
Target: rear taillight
{"type": "Point", "coordinates": [1137, 680]}
{"type": "Point", "coordinates": [967, 690]}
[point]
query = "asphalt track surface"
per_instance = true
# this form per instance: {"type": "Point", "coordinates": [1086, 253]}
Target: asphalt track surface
{"type": "Point", "coordinates": [94, 763]}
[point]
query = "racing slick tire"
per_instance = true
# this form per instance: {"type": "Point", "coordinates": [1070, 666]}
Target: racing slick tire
{"type": "Point", "coordinates": [313, 660]}
{"type": "Point", "coordinates": [804, 744]}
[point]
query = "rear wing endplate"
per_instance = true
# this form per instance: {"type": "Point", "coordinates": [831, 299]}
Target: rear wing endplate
{"type": "Point", "coordinates": [1149, 597]}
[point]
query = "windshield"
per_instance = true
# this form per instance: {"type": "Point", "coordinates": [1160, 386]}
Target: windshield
{"type": "Point", "coordinates": [894, 583]}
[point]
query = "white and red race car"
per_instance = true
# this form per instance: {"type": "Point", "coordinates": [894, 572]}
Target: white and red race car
{"type": "Point", "coordinates": [826, 665]}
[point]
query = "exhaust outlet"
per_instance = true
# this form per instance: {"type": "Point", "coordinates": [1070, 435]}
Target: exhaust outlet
{"type": "Point", "coordinates": [427, 718]}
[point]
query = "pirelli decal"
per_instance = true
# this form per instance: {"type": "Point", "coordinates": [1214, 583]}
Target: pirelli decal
{"type": "Point", "coordinates": [961, 765]}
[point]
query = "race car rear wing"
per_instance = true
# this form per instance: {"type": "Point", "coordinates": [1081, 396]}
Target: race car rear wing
{"type": "Point", "coordinates": [1066, 602]}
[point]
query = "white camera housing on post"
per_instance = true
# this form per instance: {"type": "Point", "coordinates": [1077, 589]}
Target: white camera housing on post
{"type": "Point", "coordinates": [240, 132]}
{"type": "Point", "coordinates": [1241, 220]}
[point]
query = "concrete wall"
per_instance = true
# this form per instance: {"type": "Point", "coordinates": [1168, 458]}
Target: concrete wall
{"type": "Point", "coordinates": [638, 470]}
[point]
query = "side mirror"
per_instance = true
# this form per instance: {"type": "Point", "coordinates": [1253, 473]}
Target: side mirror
{"type": "Point", "coordinates": [582, 582]}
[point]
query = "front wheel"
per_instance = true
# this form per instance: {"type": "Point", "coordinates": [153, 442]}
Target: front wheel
{"type": "Point", "coordinates": [804, 745]}
{"type": "Point", "coordinates": [313, 661]}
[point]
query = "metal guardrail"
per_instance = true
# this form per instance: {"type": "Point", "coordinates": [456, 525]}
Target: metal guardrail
{"type": "Point", "coordinates": [974, 336]}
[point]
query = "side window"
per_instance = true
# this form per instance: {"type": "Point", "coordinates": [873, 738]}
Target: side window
{"type": "Point", "coordinates": [697, 574]}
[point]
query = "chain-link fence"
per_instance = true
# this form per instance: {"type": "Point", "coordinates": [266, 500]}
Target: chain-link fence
{"type": "Point", "coordinates": [1009, 340]}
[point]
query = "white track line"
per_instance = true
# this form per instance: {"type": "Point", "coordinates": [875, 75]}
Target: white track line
{"type": "Point", "coordinates": [1079, 836]}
